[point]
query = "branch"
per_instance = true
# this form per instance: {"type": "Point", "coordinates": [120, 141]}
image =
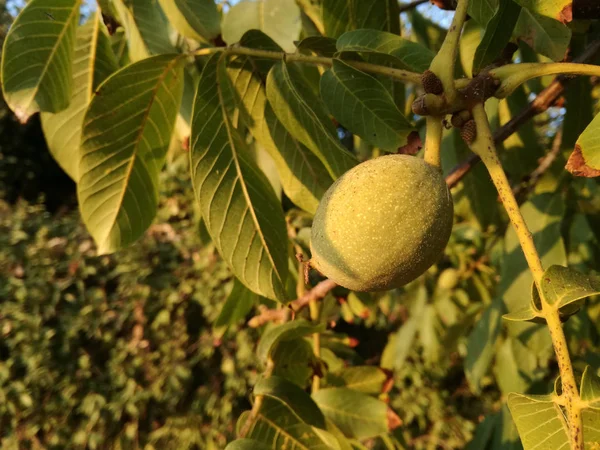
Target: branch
{"type": "Point", "coordinates": [541, 103]}
{"type": "Point", "coordinates": [409, 6]}
{"type": "Point", "coordinates": [281, 315]}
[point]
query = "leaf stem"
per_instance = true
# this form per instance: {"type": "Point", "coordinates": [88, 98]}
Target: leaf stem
{"type": "Point", "coordinates": [315, 312]}
{"type": "Point", "coordinates": [444, 61]}
{"type": "Point", "coordinates": [483, 145]}
{"type": "Point", "coordinates": [433, 140]}
{"type": "Point", "coordinates": [398, 74]}
{"type": "Point", "coordinates": [512, 76]}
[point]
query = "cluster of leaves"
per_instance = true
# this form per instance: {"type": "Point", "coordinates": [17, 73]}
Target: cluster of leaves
{"type": "Point", "coordinates": [116, 101]}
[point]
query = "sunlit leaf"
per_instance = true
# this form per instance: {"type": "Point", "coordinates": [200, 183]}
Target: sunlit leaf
{"type": "Point", "coordinates": [239, 207]}
{"type": "Point", "coordinates": [246, 444]}
{"type": "Point", "coordinates": [563, 286]}
{"type": "Point", "coordinates": [93, 62]}
{"type": "Point", "coordinates": [364, 106]}
{"type": "Point", "coordinates": [278, 19]}
{"type": "Point", "coordinates": [304, 116]}
{"type": "Point", "coordinates": [366, 379]}
{"type": "Point", "coordinates": [37, 71]}
{"type": "Point", "coordinates": [356, 414]}
{"type": "Point", "coordinates": [590, 387]}
{"type": "Point", "coordinates": [153, 26]}
{"type": "Point", "coordinates": [126, 133]}
{"type": "Point", "coordinates": [196, 19]}
{"type": "Point", "coordinates": [137, 49]}
{"type": "Point", "coordinates": [585, 159]}
{"type": "Point", "coordinates": [406, 54]}
{"type": "Point", "coordinates": [284, 332]}
{"type": "Point", "coordinates": [545, 35]}
{"type": "Point", "coordinates": [560, 10]}
{"type": "Point", "coordinates": [340, 16]}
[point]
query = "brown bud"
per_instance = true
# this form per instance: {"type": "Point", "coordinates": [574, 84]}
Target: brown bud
{"type": "Point", "coordinates": [469, 131]}
{"type": "Point", "coordinates": [419, 107]}
{"type": "Point", "coordinates": [431, 83]}
{"type": "Point", "coordinates": [460, 118]}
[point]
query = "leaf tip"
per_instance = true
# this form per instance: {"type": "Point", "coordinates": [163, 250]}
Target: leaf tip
{"type": "Point", "coordinates": [577, 165]}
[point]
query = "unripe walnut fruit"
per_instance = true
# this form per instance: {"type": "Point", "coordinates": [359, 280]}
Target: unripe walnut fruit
{"type": "Point", "coordinates": [382, 224]}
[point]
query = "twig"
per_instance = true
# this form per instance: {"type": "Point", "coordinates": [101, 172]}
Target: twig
{"type": "Point", "coordinates": [412, 5]}
{"type": "Point", "coordinates": [541, 103]}
{"type": "Point", "coordinates": [271, 315]}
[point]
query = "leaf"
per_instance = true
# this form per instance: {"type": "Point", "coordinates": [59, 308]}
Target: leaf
{"type": "Point", "coordinates": [340, 16]}
{"type": "Point", "coordinates": [540, 421]}
{"type": "Point", "coordinates": [93, 62]}
{"type": "Point", "coordinates": [364, 106]}
{"type": "Point", "coordinates": [482, 10]}
{"type": "Point", "coordinates": [278, 19]}
{"type": "Point", "coordinates": [482, 343]}
{"type": "Point", "coordinates": [320, 45]}
{"type": "Point", "coordinates": [366, 379]}
{"type": "Point", "coordinates": [294, 360]}
{"type": "Point", "coordinates": [563, 286]}
{"type": "Point", "coordinates": [516, 366]}
{"type": "Point", "coordinates": [428, 33]}
{"type": "Point", "coordinates": [126, 133]}
{"type": "Point", "coordinates": [238, 205]}
{"type": "Point", "coordinates": [303, 176]}
{"type": "Point", "coordinates": [527, 314]}
{"type": "Point", "coordinates": [284, 332]}
{"type": "Point", "coordinates": [136, 46]}
{"type": "Point", "coordinates": [295, 398]}
{"type": "Point", "coordinates": [585, 159]}
{"type": "Point", "coordinates": [468, 44]}
{"type": "Point", "coordinates": [37, 73]}
{"type": "Point", "coordinates": [356, 414]}
{"type": "Point", "coordinates": [195, 19]}
{"type": "Point", "coordinates": [496, 35]}
{"type": "Point", "coordinates": [545, 35]}
{"type": "Point", "coordinates": [303, 115]}
{"type": "Point", "coordinates": [590, 387]}
{"type": "Point", "coordinates": [153, 26]}
{"type": "Point", "coordinates": [246, 444]}
{"type": "Point", "coordinates": [560, 10]}
{"type": "Point", "coordinates": [406, 54]}
{"type": "Point", "coordinates": [238, 304]}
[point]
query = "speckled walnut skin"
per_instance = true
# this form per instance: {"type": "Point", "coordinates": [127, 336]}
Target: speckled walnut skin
{"type": "Point", "coordinates": [382, 224]}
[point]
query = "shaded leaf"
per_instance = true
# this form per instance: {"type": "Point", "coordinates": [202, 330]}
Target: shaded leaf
{"type": "Point", "coordinates": [246, 444]}
{"type": "Point", "coordinates": [93, 62]}
{"type": "Point", "coordinates": [136, 46]}
{"type": "Point", "coordinates": [590, 387]}
{"type": "Point", "coordinates": [295, 398]}
{"type": "Point", "coordinates": [37, 72]}
{"type": "Point", "coordinates": [238, 304]}
{"type": "Point", "coordinates": [238, 205]}
{"type": "Point", "coordinates": [294, 360]}
{"type": "Point", "coordinates": [364, 106]}
{"type": "Point", "coordinates": [304, 116]}
{"type": "Point", "coordinates": [496, 35]}
{"type": "Point", "coordinates": [482, 10]}
{"type": "Point", "coordinates": [126, 133]}
{"type": "Point", "coordinates": [320, 45]}
{"type": "Point", "coordinates": [585, 159]}
{"type": "Point", "coordinates": [563, 286]}
{"type": "Point", "coordinates": [406, 54]}
{"type": "Point", "coordinates": [527, 314]}
{"type": "Point", "coordinates": [278, 19]}
{"type": "Point", "coordinates": [356, 414]}
{"type": "Point", "coordinates": [153, 26]}
{"type": "Point", "coordinates": [195, 19]}
{"type": "Point", "coordinates": [340, 16]}
{"type": "Point", "coordinates": [284, 332]}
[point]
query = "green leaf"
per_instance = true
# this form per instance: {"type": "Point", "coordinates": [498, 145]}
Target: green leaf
{"type": "Point", "coordinates": [195, 19]}
{"type": "Point", "coordinates": [404, 53]}
{"type": "Point", "coordinates": [320, 45]}
{"type": "Point", "coordinates": [555, 9]}
{"type": "Point", "coordinates": [585, 159]}
{"type": "Point", "coordinates": [303, 176]}
{"type": "Point", "coordinates": [482, 343]}
{"type": "Point", "coordinates": [367, 379]}
{"type": "Point", "coordinates": [295, 398]}
{"type": "Point", "coordinates": [590, 387]}
{"type": "Point", "coordinates": [238, 304]}
{"type": "Point", "coordinates": [294, 360]}
{"type": "Point", "coordinates": [93, 62]}
{"type": "Point", "coordinates": [278, 427]}
{"type": "Point", "coordinates": [340, 16]}
{"type": "Point", "coordinates": [356, 414]}
{"type": "Point", "coordinates": [545, 35]}
{"type": "Point", "coordinates": [246, 444]}
{"type": "Point", "coordinates": [482, 10]}
{"type": "Point", "coordinates": [540, 421]}
{"type": "Point", "coordinates": [278, 19]}
{"type": "Point", "coordinates": [364, 106]}
{"type": "Point", "coordinates": [126, 133]}
{"type": "Point", "coordinates": [284, 332]}
{"type": "Point", "coordinates": [468, 44]}
{"type": "Point", "coordinates": [496, 35]}
{"type": "Point", "coordinates": [136, 46]}
{"type": "Point", "coordinates": [153, 26]}
{"type": "Point", "coordinates": [428, 33]}
{"type": "Point", "coordinates": [527, 314]}
{"type": "Point", "coordinates": [37, 72]}
{"type": "Point", "coordinates": [563, 286]}
{"type": "Point", "coordinates": [239, 207]}
{"type": "Point", "coordinates": [305, 117]}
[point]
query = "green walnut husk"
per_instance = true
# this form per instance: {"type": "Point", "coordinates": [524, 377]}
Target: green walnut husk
{"type": "Point", "coordinates": [382, 224]}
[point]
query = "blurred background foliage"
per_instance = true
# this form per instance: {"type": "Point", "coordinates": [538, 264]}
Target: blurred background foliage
{"type": "Point", "coordinates": [121, 351]}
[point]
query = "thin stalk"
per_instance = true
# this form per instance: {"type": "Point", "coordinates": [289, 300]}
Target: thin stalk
{"type": "Point", "coordinates": [315, 312]}
{"type": "Point", "coordinates": [398, 74]}
{"type": "Point", "coordinates": [483, 145]}
{"type": "Point", "coordinates": [443, 63]}
{"type": "Point", "coordinates": [512, 76]}
{"type": "Point", "coordinates": [433, 140]}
